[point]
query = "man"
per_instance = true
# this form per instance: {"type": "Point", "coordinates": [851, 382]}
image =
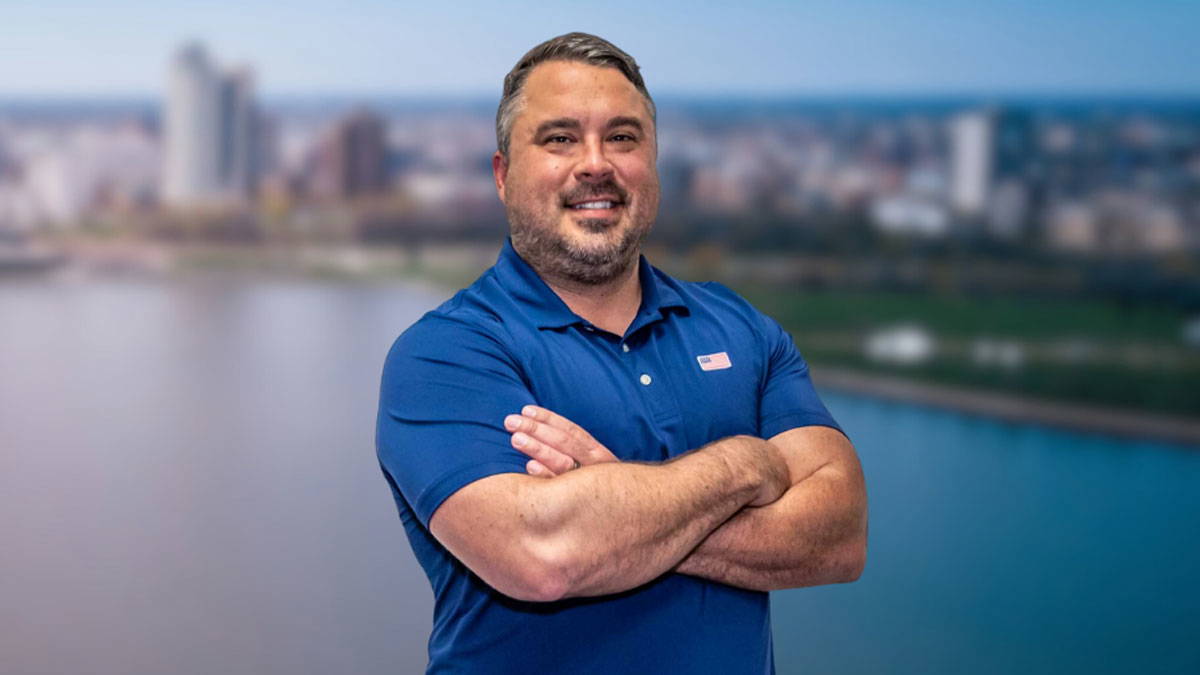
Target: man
{"type": "Point", "coordinates": [603, 469]}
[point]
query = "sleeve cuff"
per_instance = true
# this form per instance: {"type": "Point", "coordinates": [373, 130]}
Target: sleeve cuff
{"type": "Point", "coordinates": [432, 497]}
{"type": "Point", "coordinates": [790, 420]}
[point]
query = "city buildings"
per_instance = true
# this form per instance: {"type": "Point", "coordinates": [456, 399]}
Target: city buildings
{"type": "Point", "coordinates": [211, 133]}
{"type": "Point", "coordinates": [351, 159]}
{"type": "Point", "coordinates": [1081, 179]}
{"type": "Point", "coordinates": [971, 142]}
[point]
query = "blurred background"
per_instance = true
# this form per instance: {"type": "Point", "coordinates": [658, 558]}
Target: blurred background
{"type": "Point", "coordinates": [980, 223]}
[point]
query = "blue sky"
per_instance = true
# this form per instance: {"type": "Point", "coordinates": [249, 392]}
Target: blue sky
{"type": "Point", "coordinates": [80, 48]}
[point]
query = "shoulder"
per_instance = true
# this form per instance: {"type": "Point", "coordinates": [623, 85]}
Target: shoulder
{"type": "Point", "coordinates": [471, 323]}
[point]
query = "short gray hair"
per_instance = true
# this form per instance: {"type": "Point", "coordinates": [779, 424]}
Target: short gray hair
{"type": "Point", "coordinates": [580, 47]}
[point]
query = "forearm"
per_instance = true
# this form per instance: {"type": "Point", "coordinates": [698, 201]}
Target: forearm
{"type": "Point", "coordinates": [614, 526]}
{"type": "Point", "coordinates": [814, 534]}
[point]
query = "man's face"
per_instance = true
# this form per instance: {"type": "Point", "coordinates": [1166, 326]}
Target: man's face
{"type": "Point", "coordinates": [579, 185]}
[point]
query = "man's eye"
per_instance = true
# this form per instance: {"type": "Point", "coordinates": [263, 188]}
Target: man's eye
{"type": "Point", "coordinates": [621, 138]}
{"type": "Point", "coordinates": [559, 139]}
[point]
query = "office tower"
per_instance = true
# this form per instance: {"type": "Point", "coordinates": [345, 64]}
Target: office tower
{"type": "Point", "coordinates": [210, 124]}
{"type": "Point", "coordinates": [239, 126]}
{"type": "Point", "coordinates": [971, 155]}
{"type": "Point", "coordinates": [191, 130]}
{"type": "Point", "coordinates": [994, 170]}
{"type": "Point", "coordinates": [352, 158]}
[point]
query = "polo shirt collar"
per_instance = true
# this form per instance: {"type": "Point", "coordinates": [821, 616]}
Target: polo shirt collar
{"type": "Point", "coordinates": [549, 311]}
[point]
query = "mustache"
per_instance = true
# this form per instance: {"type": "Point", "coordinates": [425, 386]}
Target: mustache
{"type": "Point", "coordinates": [588, 191]}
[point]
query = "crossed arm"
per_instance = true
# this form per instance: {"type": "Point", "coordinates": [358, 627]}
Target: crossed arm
{"type": "Point", "coordinates": [815, 533]}
{"type": "Point", "coordinates": [743, 511]}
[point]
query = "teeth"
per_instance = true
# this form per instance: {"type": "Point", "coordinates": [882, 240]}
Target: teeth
{"type": "Point", "coordinates": [593, 205]}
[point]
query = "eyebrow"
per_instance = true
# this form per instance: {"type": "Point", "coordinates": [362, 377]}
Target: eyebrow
{"type": "Point", "coordinates": [575, 125]}
{"type": "Point", "coordinates": [560, 123]}
{"type": "Point", "coordinates": [625, 122]}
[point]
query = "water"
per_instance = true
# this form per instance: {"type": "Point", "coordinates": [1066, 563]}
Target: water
{"type": "Point", "coordinates": [188, 485]}
{"type": "Point", "coordinates": [1003, 548]}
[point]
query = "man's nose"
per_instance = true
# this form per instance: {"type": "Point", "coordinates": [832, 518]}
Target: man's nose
{"type": "Point", "coordinates": [594, 164]}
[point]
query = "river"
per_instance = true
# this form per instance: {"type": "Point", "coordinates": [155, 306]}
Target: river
{"type": "Point", "coordinates": [188, 485]}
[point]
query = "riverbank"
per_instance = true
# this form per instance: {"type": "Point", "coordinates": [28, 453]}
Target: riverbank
{"type": "Point", "coordinates": [451, 266]}
{"type": "Point", "coordinates": [1091, 419]}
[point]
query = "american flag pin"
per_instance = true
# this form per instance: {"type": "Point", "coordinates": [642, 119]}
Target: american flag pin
{"type": "Point", "coordinates": [718, 361]}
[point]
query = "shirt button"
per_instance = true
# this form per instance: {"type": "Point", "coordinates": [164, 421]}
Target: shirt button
{"type": "Point", "coordinates": [589, 329]}
{"type": "Point", "coordinates": [645, 379]}
{"type": "Point", "coordinates": [624, 347]}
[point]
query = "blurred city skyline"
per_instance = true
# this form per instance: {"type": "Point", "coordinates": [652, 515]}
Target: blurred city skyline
{"type": "Point", "coordinates": [1092, 175]}
{"type": "Point", "coordinates": [73, 49]}
{"type": "Point", "coordinates": [1090, 201]}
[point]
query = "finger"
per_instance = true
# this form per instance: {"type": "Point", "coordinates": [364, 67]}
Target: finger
{"type": "Point", "coordinates": [551, 436]}
{"type": "Point", "coordinates": [559, 422]}
{"type": "Point", "coordinates": [563, 434]}
{"type": "Point", "coordinates": [559, 433]}
{"type": "Point", "coordinates": [551, 458]}
{"type": "Point", "coordinates": [538, 470]}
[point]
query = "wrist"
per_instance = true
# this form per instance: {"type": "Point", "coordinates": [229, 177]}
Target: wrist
{"type": "Point", "coordinates": [769, 468]}
{"type": "Point", "coordinates": [745, 468]}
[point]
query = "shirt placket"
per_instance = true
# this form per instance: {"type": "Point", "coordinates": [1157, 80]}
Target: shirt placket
{"type": "Point", "coordinates": [644, 366]}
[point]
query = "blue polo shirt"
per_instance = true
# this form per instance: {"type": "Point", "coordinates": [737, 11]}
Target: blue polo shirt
{"type": "Point", "coordinates": [697, 364]}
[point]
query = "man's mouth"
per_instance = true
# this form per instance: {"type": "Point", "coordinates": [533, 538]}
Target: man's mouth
{"type": "Point", "coordinates": [596, 201]}
{"type": "Point", "coordinates": [595, 205]}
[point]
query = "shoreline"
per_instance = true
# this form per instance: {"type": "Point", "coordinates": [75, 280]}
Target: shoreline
{"type": "Point", "coordinates": [1009, 408]}
{"type": "Point", "coordinates": [443, 265]}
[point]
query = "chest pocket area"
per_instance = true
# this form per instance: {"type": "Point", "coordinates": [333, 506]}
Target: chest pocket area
{"type": "Point", "coordinates": [719, 398]}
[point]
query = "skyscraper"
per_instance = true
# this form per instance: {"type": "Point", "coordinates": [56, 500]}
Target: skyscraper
{"type": "Point", "coordinates": [971, 154]}
{"type": "Point", "coordinates": [352, 158]}
{"type": "Point", "coordinates": [210, 124]}
{"type": "Point", "coordinates": [994, 170]}
{"type": "Point", "coordinates": [239, 133]}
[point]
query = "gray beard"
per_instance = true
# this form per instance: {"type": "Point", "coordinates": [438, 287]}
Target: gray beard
{"type": "Point", "coordinates": [551, 256]}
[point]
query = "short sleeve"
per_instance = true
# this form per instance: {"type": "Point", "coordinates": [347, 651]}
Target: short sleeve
{"type": "Point", "coordinates": [788, 398]}
{"type": "Point", "coordinates": [447, 386]}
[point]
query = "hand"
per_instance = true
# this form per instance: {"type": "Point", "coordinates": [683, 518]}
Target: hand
{"type": "Point", "coordinates": [553, 442]}
{"type": "Point", "coordinates": [771, 465]}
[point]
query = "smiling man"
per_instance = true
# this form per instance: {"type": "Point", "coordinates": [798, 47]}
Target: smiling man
{"type": "Point", "coordinates": [603, 469]}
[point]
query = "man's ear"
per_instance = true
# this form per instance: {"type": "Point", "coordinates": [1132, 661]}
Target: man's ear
{"type": "Point", "coordinates": [500, 173]}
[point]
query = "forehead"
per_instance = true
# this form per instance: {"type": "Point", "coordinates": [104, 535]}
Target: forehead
{"type": "Point", "coordinates": [579, 90]}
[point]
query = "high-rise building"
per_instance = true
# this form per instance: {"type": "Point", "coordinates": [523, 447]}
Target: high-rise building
{"type": "Point", "coordinates": [190, 129]}
{"type": "Point", "coordinates": [352, 158]}
{"type": "Point", "coordinates": [993, 169]}
{"type": "Point", "coordinates": [239, 133]}
{"type": "Point", "coordinates": [971, 154]}
{"type": "Point", "coordinates": [210, 131]}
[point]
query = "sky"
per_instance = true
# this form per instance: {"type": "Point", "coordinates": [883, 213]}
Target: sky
{"type": "Point", "coordinates": [762, 47]}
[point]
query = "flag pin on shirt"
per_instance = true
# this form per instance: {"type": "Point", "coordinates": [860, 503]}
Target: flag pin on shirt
{"type": "Point", "coordinates": [718, 361]}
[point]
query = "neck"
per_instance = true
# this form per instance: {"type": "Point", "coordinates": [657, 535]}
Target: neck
{"type": "Point", "coordinates": [611, 305]}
